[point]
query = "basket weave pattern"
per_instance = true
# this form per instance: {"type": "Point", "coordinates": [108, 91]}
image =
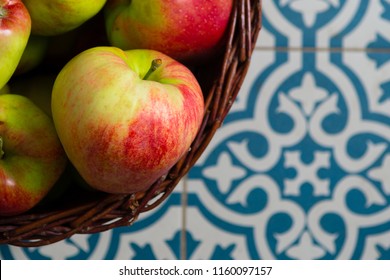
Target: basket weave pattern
{"type": "Point", "coordinates": [102, 212]}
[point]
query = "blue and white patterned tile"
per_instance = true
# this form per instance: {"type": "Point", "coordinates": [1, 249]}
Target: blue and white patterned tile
{"type": "Point", "coordinates": [155, 235]}
{"type": "Point", "coordinates": [326, 23]}
{"type": "Point", "coordinates": [299, 170]}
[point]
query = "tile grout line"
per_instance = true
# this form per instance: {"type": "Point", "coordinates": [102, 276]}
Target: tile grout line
{"type": "Point", "coordinates": [323, 49]}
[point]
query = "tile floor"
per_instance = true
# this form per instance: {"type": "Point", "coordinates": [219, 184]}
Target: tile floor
{"type": "Point", "coordinates": [300, 168]}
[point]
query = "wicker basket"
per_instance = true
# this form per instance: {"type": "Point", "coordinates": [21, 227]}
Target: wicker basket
{"type": "Point", "coordinates": [93, 212]}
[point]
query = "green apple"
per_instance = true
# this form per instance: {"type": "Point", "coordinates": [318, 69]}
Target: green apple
{"type": "Point", "coordinates": [53, 17]}
{"type": "Point", "coordinates": [31, 155]}
{"type": "Point", "coordinates": [191, 31]}
{"type": "Point", "coordinates": [123, 123]}
{"type": "Point", "coordinates": [15, 26]}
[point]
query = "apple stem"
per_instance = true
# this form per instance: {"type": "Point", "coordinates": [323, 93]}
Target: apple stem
{"type": "Point", "coordinates": [1, 148]}
{"type": "Point", "coordinates": [155, 64]}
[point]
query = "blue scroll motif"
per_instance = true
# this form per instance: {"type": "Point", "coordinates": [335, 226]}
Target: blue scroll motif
{"type": "Point", "coordinates": [303, 169]}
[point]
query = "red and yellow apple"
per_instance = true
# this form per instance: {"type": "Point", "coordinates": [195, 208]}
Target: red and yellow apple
{"type": "Point", "coordinates": [31, 155]}
{"type": "Point", "coordinates": [190, 31]}
{"type": "Point", "coordinates": [15, 26]}
{"type": "Point", "coordinates": [53, 17]}
{"type": "Point", "coordinates": [123, 125]}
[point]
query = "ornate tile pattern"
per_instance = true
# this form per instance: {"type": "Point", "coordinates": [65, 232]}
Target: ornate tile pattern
{"type": "Point", "coordinates": [358, 24]}
{"type": "Point", "coordinates": [300, 167]}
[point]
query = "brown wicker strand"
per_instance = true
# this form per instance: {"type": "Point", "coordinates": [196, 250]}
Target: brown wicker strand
{"type": "Point", "coordinates": [218, 87]}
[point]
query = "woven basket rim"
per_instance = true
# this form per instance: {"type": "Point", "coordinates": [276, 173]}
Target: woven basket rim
{"type": "Point", "coordinates": [107, 211]}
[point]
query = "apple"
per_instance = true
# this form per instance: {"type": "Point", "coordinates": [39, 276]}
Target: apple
{"type": "Point", "coordinates": [15, 27]}
{"type": "Point", "coordinates": [125, 117]}
{"type": "Point", "coordinates": [31, 155]}
{"type": "Point", "coordinates": [53, 17]}
{"type": "Point", "coordinates": [190, 31]}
